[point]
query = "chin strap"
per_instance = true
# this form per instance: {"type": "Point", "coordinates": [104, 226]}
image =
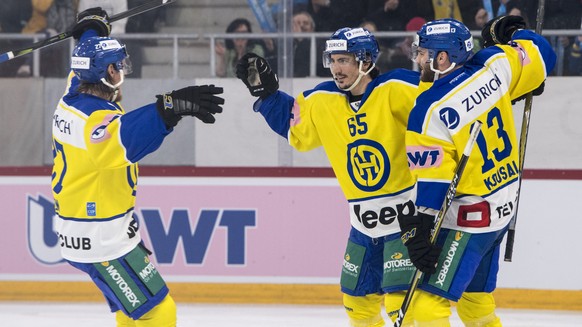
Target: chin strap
{"type": "Point", "coordinates": [116, 86]}
{"type": "Point", "coordinates": [360, 75]}
{"type": "Point", "coordinates": [440, 72]}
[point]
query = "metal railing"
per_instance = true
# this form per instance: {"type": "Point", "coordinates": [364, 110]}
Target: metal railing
{"type": "Point", "coordinates": [285, 55]}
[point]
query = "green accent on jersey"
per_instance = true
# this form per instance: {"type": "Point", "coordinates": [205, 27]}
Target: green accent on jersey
{"type": "Point", "coordinates": [398, 269]}
{"type": "Point", "coordinates": [352, 265]}
{"type": "Point", "coordinates": [140, 263]}
{"type": "Point", "coordinates": [449, 260]}
{"type": "Point", "coordinates": [121, 284]}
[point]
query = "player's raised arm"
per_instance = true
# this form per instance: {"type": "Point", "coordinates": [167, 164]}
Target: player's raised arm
{"type": "Point", "coordinates": [530, 55]}
{"type": "Point", "coordinates": [96, 148]}
{"type": "Point", "coordinates": [254, 71]}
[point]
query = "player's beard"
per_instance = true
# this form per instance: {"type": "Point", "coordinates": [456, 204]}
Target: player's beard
{"type": "Point", "coordinates": [344, 84]}
{"type": "Point", "coordinates": [426, 74]}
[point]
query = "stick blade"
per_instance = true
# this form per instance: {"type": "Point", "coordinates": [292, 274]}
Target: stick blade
{"type": "Point", "coordinates": [6, 56]}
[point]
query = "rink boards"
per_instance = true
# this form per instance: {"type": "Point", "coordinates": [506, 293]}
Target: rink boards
{"type": "Point", "coordinates": [267, 240]}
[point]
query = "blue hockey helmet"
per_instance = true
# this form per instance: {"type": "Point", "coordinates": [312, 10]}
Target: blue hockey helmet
{"type": "Point", "coordinates": [92, 56]}
{"type": "Point", "coordinates": [448, 35]}
{"type": "Point", "coordinates": [358, 41]}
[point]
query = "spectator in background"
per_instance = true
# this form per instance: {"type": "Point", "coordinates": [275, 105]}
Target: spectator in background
{"type": "Point", "coordinates": [36, 24]}
{"type": "Point", "coordinates": [302, 23]}
{"type": "Point", "coordinates": [480, 18]}
{"type": "Point", "coordinates": [446, 9]}
{"type": "Point", "coordinates": [61, 15]}
{"type": "Point", "coordinates": [417, 8]}
{"type": "Point", "coordinates": [563, 14]}
{"type": "Point", "coordinates": [229, 53]}
{"type": "Point", "coordinates": [37, 21]}
{"type": "Point", "coordinates": [14, 15]}
{"type": "Point", "coordinates": [575, 57]}
{"type": "Point", "coordinates": [384, 54]}
{"type": "Point", "coordinates": [330, 15]}
{"type": "Point", "coordinates": [497, 8]}
{"type": "Point", "coordinates": [147, 22]}
{"type": "Point", "coordinates": [321, 13]}
{"type": "Point", "coordinates": [399, 55]}
{"type": "Point", "coordinates": [49, 17]}
{"type": "Point", "coordinates": [347, 13]}
{"type": "Point", "coordinates": [387, 19]}
{"type": "Point", "coordinates": [515, 9]}
{"type": "Point", "coordinates": [403, 54]}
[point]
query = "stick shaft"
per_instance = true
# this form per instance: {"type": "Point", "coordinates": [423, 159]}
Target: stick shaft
{"type": "Point", "coordinates": [65, 35]}
{"type": "Point", "coordinates": [452, 190]}
{"type": "Point", "coordinates": [508, 256]}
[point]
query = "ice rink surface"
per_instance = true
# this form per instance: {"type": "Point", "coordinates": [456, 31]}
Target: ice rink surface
{"type": "Point", "coordinates": [51, 314]}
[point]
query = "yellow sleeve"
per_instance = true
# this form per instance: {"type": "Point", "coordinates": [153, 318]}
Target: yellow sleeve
{"type": "Point", "coordinates": [102, 136]}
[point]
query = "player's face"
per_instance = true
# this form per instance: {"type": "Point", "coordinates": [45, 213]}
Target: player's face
{"type": "Point", "coordinates": [423, 61]}
{"type": "Point", "coordinates": [115, 77]}
{"type": "Point", "coordinates": [344, 69]}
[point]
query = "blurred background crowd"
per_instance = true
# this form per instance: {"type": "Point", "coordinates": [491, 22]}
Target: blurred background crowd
{"type": "Point", "coordinates": [315, 19]}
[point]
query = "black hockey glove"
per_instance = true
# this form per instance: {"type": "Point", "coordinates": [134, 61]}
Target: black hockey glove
{"type": "Point", "coordinates": [415, 231]}
{"type": "Point", "coordinates": [257, 75]}
{"type": "Point", "coordinates": [198, 101]}
{"type": "Point", "coordinates": [92, 19]}
{"type": "Point", "coordinates": [538, 91]}
{"type": "Point", "coordinates": [500, 30]}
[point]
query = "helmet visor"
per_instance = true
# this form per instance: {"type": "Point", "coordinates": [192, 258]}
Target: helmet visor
{"type": "Point", "coordinates": [124, 65]}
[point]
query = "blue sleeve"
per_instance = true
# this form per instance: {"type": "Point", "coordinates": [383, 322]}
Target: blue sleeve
{"type": "Point", "coordinates": [142, 132]}
{"type": "Point", "coordinates": [548, 54]}
{"type": "Point", "coordinates": [87, 34]}
{"type": "Point", "coordinates": [276, 109]}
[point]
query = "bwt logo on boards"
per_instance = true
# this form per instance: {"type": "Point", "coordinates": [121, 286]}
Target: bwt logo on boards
{"type": "Point", "coordinates": [195, 234]}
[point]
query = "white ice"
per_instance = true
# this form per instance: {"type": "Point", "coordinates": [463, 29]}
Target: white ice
{"type": "Point", "coordinates": [51, 314]}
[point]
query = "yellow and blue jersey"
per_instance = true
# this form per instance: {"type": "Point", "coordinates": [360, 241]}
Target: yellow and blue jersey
{"type": "Point", "coordinates": [364, 143]}
{"type": "Point", "coordinates": [96, 147]}
{"type": "Point", "coordinates": [440, 123]}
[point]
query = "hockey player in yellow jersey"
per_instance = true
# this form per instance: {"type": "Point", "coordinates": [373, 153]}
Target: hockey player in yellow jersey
{"type": "Point", "coordinates": [467, 88]}
{"type": "Point", "coordinates": [96, 147]}
{"type": "Point", "coordinates": [359, 119]}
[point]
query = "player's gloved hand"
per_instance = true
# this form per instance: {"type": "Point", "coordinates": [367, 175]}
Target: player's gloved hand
{"type": "Point", "coordinates": [538, 91]}
{"type": "Point", "coordinates": [415, 234]}
{"type": "Point", "coordinates": [500, 30]}
{"type": "Point", "coordinates": [257, 75]}
{"type": "Point", "coordinates": [92, 19]}
{"type": "Point", "coordinates": [198, 101]}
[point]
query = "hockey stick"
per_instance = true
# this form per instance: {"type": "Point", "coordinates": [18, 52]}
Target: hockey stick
{"type": "Point", "coordinates": [65, 35]}
{"type": "Point", "coordinates": [522, 144]}
{"type": "Point", "coordinates": [438, 220]}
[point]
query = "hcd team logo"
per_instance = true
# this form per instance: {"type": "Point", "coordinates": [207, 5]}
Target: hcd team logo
{"type": "Point", "coordinates": [368, 165]}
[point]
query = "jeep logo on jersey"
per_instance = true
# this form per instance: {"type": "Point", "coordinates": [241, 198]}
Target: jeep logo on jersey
{"type": "Point", "coordinates": [368, 165]}
{"type": "Point", "coordinates": [385, 216]}
{"type": "Point", "coordinates": [450, 117]}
